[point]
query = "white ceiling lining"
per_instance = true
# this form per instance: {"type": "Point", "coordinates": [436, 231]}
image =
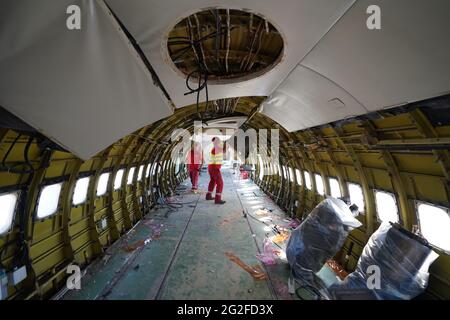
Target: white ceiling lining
{"type": "Point", "coordinates": [301, 22]}
{"type": "Point", "coordinates": [85, 89]}
{"type": "Point", "coordinates": [306, 99]}
{"type": "Point", "coordinates": [226, 122]}
{"type": "Point", "coordinates": [407, 60]}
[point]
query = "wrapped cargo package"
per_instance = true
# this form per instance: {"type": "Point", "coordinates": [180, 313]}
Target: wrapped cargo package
{"type": "Point", "coordinates": [402, 260]}
{"type": "Point", "coordinates": [319, 237]}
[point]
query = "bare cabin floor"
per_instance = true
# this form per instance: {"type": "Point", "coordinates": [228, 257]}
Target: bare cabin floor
{"type": "Point", "coordinates": [187, 260]}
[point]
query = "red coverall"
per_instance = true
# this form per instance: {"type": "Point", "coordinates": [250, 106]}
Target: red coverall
{"type": "Point", "coordinates": [215, 175]}
{"type": "Point", "coordinates": [194, 161]}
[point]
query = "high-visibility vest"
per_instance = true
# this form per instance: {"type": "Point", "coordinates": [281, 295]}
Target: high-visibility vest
{"type": "Point", "coordinates": [216, 158]}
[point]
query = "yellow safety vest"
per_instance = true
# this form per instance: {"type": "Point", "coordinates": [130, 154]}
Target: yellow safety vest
{"type": "Point", "coordinates": [216, 158]}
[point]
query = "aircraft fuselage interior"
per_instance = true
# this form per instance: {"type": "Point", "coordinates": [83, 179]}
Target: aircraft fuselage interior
{"type": "Point", "coordinates": [224, 150]}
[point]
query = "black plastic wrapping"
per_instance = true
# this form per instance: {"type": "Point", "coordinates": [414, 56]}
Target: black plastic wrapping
{"type": "Point", "coordinates": [403, 260]}
{"type": "Point", "coordinates": [319, 237]}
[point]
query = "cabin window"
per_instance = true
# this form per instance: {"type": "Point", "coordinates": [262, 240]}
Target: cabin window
{"type": "Point", "coordinates": [80, 192]}
{"type": "Point", "coordinates": [298, 176]}
{"type": "Point", "coordinates": [8, 203]}
{"type": "Point", "coordinates": [177, 166]}
{"type": "Point", "coordinates": [319, 184]}
{"type": "Point", "coordinates": [140, 172]}
{"type": "Point", "coordinates": [130, 175]}
{"type": "Point", "coordinates": [356, 196]}
{"type": "Point", "coordinates": [291, 175]}
{"type": "Point", "coordinates": [147, 171]}
{"type": "Point", "coordinates": [48, 200]}
{"type": "Point", "coordinates": [335, 188]}
{"type": "Point", "coordinates": [102, 186]}
{"type": "Point", "coordinates": [434, 225]}
{"type": "Point", "coordinates": [308, 183]}
{"type": "Point", "coordinates": [261, 167]}
{"type": "Point", "coordinates": [386, 205]}
{"type": "Point", "coordinates": [118, 179]}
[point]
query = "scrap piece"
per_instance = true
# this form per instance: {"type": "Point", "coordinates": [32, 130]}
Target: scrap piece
{"type": "Point", "coordinates": [255, 271]}
{"type": "Point", "coordinates": [281, 238]}
{"type": "Point", "coordinates": [133, 246]}
{"type": "Point", "coordinates": [262, 213]}
{"type": "Point", "coordinates": [337, 269]}
{"type": "Point", "coordinates": [233, 217]}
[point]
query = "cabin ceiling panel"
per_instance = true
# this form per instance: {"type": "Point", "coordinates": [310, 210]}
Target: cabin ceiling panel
{"type": "Point", "coordinates": [306, 99]}
{"type": "Point", "coordinates": [301, 22]}
{"type": "Point", "coordinates": [85, 88]}
{"type": "Point", "coordinates": [406, 61]}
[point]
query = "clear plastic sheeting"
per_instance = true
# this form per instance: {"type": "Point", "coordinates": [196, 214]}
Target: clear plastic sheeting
{"type": "Point", "coordinates": [319, 237]}
{"type": "Point", "coordinates": [268, 257]}
{"type": "Point", "coordinates": [401, 259]}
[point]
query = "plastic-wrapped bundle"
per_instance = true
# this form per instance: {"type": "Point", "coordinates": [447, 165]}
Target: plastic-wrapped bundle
{"type": "Point", "coordinates": [403, 260]}
{"type": "Point", "coordinates": [319, 237]}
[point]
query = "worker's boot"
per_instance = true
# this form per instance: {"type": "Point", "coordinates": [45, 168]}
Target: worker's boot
{"type": "Point", "coordinates": [209, 196]}
{"type": "Point", "coordinates": [218, 199]}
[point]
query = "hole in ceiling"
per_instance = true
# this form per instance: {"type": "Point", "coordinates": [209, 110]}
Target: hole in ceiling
{"type": "Point", "coordinates": [228, 45]}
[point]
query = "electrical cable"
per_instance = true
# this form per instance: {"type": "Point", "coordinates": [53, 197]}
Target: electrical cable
{"type": "Point", "coordinates": [27, 162]}
{"type": "Point", "coordinates": [201, 70]}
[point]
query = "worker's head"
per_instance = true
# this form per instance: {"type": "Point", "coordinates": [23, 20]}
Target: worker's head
{"type": "Point", "coordinates": [197, 146]}
{"type": "Point", "coordinates": [216, 141]}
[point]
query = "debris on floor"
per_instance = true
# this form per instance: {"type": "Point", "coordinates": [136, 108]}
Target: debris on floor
{"type": "Point", "coordinates": [269, 256]}
{"type": "Point", "coordinates": [337, 269]}
{"type": "Point", "coordinates": [294, 223]}
{"type": "Point", "coordinates": [255, 271]}
{"type": "Point", "coordinates": [131, 247]}
{"type": "Point", "coordinates": [106, 258]}
{"type": "Point", "coordinates": [262, 213]}
{"type": "Point", "coordinates": [231, 218]}
{"type": "Point", "coordinates": [281, 238]}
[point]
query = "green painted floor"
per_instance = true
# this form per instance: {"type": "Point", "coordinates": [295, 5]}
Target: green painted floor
{"type": "Point", "coordinates": [188, 260]}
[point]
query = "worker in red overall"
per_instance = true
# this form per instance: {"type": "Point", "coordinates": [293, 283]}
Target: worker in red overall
{"type": "Point", "coordinates": [215, 163]}
{"type": "Point", "coordinates": [194, 161]}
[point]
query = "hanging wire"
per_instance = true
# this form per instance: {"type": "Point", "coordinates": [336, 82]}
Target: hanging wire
{"type": "Point", "coordinates": [201, 71]}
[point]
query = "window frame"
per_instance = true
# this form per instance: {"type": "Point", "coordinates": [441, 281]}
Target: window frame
{"type": "Point", "coordinates": [291, 174]}
{"type": "Point", "coordinates": [318, 175]}
{"type": "Point", "coordinates": [262, 170]}
{"type": "Point", "coordinates": [375, 191]}
{"type": "Point", "coordinates": [298, 177]}
{"type": "Point", "coordinates": [17, 194]}
{"type": "Point", "coordinates": [39, 199]}
{"type": "Point", "coordinates": [140, 173]}
{"type": "Point", "coordinates": [417, 203]}
{"type": "Point", "coordinates": [363, 210]}
{"type": "Point", "coordinates": [147, 170]}
{"type": "Point", "coordinates": [307, 174]}
{"type": "Point", "coordinates": [98, 184]}
{"type": "Point", "coordinates": [121, 179]}
{"type": "Point", "coordinates": [285, 173]}
{"type": "Point", "coordinates": [331, 189]}
{"type": "Point", "coordinates": [130, 175]}
{"type": "Point", "coordinates": [87, 191]}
